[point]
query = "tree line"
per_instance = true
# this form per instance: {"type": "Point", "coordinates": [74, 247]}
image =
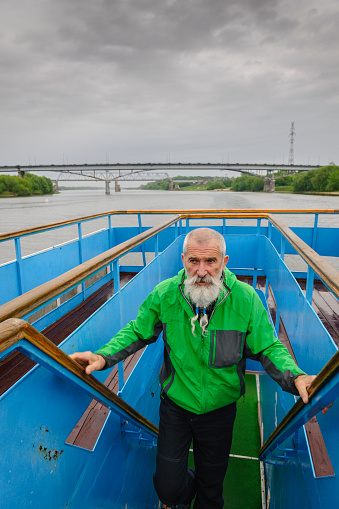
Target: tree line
{"type": "Point", "coordinates": [27, 186]}
{"type": "Point", "coordinates": [325, 179]}
{"type": "Point", "coordinates": [322, 180]}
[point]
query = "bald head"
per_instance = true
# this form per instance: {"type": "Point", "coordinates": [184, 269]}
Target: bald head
{"type": "Point", "coordinates": [203, 236]}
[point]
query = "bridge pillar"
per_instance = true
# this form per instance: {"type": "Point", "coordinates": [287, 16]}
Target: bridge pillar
{"type": "Point", "coordinates": [269, 185]}
{"type": "Point", "coordinates": [107, 187]}
{"type": "Point", "coordinates": [55, 186]}
{"type": "Point", "coordinates": [171, 185]}
{"type": "Point", "coordinates": [21, 173]}
{"type": "Point", "coordinates": [117, 187]}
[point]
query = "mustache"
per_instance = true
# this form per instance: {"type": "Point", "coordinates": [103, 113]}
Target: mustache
{"type": "Point", "coordinates": [204, 279]}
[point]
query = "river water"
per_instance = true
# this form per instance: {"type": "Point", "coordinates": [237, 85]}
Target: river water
{"type": "Point", "coordinates": [26, 212]}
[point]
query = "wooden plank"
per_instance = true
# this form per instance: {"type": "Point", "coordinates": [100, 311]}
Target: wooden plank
{"type": "Point", "coordinates": [320, 458]}
{"type": "Point", "coordinates": [15, 366]}
{"type": "Point", "coordinates": [12, 370]}
{"type": "Point", "coordinates": [326, 305]}
{"type": "Point", "coordinates": [83, 427]}
{"type": "Point", "coordinates": [88, 429]}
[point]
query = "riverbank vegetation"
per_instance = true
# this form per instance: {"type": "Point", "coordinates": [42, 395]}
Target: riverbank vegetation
{"type": "Point", "coordinates": [323, 180]}
{"type": "Point", "coordinates": [28, 186]}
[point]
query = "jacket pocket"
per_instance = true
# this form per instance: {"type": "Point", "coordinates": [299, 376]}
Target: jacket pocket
{"type": "Point", "coordinates": [226, 348]}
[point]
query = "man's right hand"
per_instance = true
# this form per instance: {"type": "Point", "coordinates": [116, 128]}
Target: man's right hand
{"type": "Point", "coordinates": [92, 361]}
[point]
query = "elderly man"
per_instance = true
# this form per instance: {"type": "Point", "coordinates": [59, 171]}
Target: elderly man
{"type": "Point", "coordinates": [211, 323]}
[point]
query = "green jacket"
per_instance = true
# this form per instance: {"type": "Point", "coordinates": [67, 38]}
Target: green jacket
{"type": "Point", "coordinates": [204, 372]}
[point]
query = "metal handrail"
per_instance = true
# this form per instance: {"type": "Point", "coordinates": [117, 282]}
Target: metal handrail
{"type": "Point", "coordinates": [322, 380]}
{"type": "Point", "coordinates": [24, 304]}
{"type": "Point", "coordinates": [31, 300]}
{"type": "Point", "coordinates": [38, 347]}
{"type": "Point", "coordinates": [264, 212]}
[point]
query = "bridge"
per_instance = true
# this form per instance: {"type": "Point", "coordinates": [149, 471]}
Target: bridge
{"type": "Point", "coordinates": [156, 171]}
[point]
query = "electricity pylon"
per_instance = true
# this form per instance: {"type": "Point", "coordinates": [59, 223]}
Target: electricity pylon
{"type": "Point", "coordinates": [291, 154]}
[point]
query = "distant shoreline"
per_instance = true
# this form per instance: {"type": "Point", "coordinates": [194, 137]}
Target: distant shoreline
{"type": "Point", "coordinates": [313, 193]}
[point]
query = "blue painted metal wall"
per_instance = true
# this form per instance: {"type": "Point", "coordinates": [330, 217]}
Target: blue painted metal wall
{"type": "Point", "coordinates": [313, 348]}
{"type": "Point", "coordinates": [25, 274]}
{"type": "Point", "coordinates": [42, 409]}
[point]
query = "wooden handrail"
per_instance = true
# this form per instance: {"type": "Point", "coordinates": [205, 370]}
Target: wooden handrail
{"type": "Point", "coordinates": [325, 271]}
{"type": "Point", "coordinates": [29, 301]}
{"type": "Point", "coordinates": [14, 330]}
{"type": "Point", "coordinates": [263, 212]}
{"type": "Point", "coordinates": [26, 303]}
{"type": "Point", "coordinates": [325, 375]}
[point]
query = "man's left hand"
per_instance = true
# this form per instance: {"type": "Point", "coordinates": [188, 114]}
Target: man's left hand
{"type": "Point", "coordinates": [301, 383]}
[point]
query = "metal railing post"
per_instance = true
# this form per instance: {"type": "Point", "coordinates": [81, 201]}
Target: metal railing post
{"type": "Point", "coordinates": [224, 226]}
{"type": "Point", "coordinates": [310, 272]}
{"type": "Point", "coordinates": [142, 246]}
{"type": "Point", "coordinates": [83, 289]}
{"type": "Point", "coordinates": [156, 246]}
{"type": "Point", "coordinates": [18, 264]}
{"type": "Point", "coordinates": [80, 242]}
{"type": "Point", "coordinates": [116, 276]}
{"type": "Point", "coordinates": [111, 241]}
{"type": "Point", "coordinates": [315, 231]}
{"type": "Point", "coordinates": [282, 247]}
{"type": "Point", "coordinates": [258, 226]}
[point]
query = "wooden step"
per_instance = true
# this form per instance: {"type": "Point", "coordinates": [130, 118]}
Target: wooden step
{"type": "Point", "coordinates": [88, 429]}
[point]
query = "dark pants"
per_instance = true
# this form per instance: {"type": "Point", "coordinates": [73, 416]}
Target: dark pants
{"type": "Point", "coordinates": [212, 438]}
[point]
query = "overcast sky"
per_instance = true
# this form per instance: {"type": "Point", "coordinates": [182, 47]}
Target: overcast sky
{"type": "Point", "coordinates": [95, 81]}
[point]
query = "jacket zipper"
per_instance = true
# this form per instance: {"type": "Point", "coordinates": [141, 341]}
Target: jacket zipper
{"type": "Point", "coordinates": [202, 337]}
{"type": "Point", "coordinates": [213, 347]}
{"type": "Point", "coordinates": [203, 376]}
{"type": "Point", "coordinates": [222, 300]}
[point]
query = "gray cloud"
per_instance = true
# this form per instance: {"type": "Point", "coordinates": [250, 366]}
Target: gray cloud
{"type": "Point", "coordinates": [142, 79]}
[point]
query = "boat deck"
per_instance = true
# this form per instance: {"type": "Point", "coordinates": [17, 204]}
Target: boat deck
{"type": "Point", "coordinates": [16, 365]}
{"type": "Point", "coordinates": [244, 454]}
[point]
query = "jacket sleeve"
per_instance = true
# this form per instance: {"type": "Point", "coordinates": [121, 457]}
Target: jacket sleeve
{"type": "Point", "coordinates": [138, 333]}
{"type": "Point", "coordinates": [261, 344]}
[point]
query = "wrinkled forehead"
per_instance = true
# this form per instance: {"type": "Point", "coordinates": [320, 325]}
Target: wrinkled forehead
{"type": "Point", "coordinates": [206, 249]}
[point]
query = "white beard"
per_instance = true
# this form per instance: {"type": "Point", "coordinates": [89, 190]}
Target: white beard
{"type": "Point", "coordinates": [203, 296]}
